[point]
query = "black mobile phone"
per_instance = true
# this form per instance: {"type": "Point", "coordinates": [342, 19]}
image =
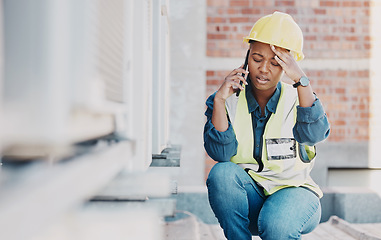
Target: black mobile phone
{"type": "Point", "coordinates": [244, 67]}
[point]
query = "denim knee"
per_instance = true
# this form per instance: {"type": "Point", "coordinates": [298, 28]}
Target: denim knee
{"type": "Point", "coordinates": [225, 173]}
{"type": "Point", "coordinates": [289, 213]}
{"type": "Point", "coordinates": [278, 228]}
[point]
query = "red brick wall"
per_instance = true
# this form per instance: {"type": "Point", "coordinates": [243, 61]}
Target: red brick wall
{"type": "Point", "coordinates": [332, 30]}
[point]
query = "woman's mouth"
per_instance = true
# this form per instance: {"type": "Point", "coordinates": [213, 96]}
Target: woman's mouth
{"type": "Point", "coordinates": [262, 79]}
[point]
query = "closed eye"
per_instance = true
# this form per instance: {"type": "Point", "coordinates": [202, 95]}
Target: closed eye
{"type": "Point", "coordinates": [259, 58]}
{"type": "Point", "coordinates": [275, 64]}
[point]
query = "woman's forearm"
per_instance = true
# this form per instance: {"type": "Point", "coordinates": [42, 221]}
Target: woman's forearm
{"type": "Point", "coordinates": [219, 117]}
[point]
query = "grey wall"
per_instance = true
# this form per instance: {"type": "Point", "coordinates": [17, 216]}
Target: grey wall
{"type": "Point", "coordinates": [338, 155]}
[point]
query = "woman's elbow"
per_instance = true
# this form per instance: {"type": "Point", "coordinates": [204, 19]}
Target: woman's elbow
{"type": "Point", "coordinates": [219, 153]}
{"type": "Point", "coordinates": [311, 139]}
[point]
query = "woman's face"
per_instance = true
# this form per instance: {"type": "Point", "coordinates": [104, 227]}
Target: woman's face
{"type": "Point", "coordinates": [265, 72]}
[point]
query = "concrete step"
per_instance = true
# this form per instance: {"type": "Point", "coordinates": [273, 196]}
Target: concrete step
{"type": "Point", "coordinates": [353, 204]}
{"type": "Point", "coordinates": [164, 207]}
{"type": "Point", "coordinates": [169, 157]}
{"type": "Point", "coordinates": [182, 229]}
{"type": "Point", "coordinates": [136, 186]}
{"type": "Point", "coordinates": [338, 229]}
{"type": "Point", "coordinates": [105, 223]}
{"type": "Point", "coordinates": [192, 228]}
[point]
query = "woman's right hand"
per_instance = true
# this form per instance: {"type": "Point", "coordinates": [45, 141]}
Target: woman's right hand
{"type": "Point", "coordinates": [231, 84]}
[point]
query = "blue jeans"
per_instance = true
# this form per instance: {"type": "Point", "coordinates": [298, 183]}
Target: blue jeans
{"type": "Point", "coordinates": [243, 210]}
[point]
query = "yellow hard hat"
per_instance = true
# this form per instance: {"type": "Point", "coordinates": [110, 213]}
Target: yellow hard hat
{"type": "Point", "coordinates": [279, 29]}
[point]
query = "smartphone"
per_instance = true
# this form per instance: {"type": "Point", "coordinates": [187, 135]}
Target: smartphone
{"type": "Point", "coordinates": [244, 67]}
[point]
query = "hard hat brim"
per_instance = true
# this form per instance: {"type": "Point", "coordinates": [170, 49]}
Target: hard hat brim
{"type": "Point", "coordinates": [298, 56]}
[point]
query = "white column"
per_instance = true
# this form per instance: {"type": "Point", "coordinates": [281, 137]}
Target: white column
{"type": "Point", "coordinates": [375, 87]}
{"type": "Point", "coordinates": [188, 40]}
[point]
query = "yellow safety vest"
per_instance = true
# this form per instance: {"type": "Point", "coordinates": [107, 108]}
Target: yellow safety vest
{"type": "Point", "coordinates": [283, 164]}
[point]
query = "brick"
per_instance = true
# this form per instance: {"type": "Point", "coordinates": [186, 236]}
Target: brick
{"type": "Point", "coordinates": [367, 46]}
{"type": "Point", "coordinates": [284, 3]}
{"type": "Point", "coordinates": [342, 73]}
{"type": "Point", "coordinates": [232, 11]}
{"type": "Point", "coordinates": [250, 11]}
{"type": "Point", "coordinates": [330, 21]}
{"type": "Point", "coordinates": [339, 123]}
{"type": "Point", "coordinates": [210, 52]}
{"type": "Point", "coordinates": [216, 20]}
{"type": "Point", "coordinates": [267, 11]}
{"type": "Point", "coordinates": [209, 73]}
{"type": "Point", "coordinates": [293, 12]}
{"type": "Point", "coordinates": [349, 20]}
{"type": "Point", "coordinates": [329, 3]}
{"type": "Point", "coordinates": [219, 3]}
{"type": "Point", "coordinates": [238, 37]}
{"type": "Point", "coordinates": [364, 73]}
{"type": "Point", "coordinates": [262, 3]}
{"type": "Point", "coordinates": [226, 28]}
{"type": "Point", "coordinates": [223, 73]}
{"type": "Point", "coordinates": [246, 29]}
{"type": "Point", "coordinates": [352, 38]}
{"type": "Point", "coordinates": [216, 36]}
{"type": "Point", "coordinates": [239, 19]}
{"type": "Point", "coordinates": [320, 11]}
{"type": "Point", "coordinates": [331, 38]}
{"type": "Point", "coordinates": [241, 3]}
{"type": "Point", "coordinates": [352, 3]}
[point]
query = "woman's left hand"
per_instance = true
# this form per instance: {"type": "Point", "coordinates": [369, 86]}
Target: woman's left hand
{"type": "Point", "coordinates": [288, 63]}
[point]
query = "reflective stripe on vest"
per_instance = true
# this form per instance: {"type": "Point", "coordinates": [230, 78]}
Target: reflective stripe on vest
{"type": "Point", "coordinates": [286, 162]}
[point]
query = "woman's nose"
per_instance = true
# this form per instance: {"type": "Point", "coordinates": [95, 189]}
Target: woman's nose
{"type": "Point", "coordinates": [264, 66]}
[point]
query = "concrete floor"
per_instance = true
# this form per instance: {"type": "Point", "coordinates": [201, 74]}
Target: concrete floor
{"type": "Point", "coordinates": [335, 229]}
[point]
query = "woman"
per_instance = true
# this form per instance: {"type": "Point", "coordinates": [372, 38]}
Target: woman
{"type": "Point", "coordinates": [263, 139]}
